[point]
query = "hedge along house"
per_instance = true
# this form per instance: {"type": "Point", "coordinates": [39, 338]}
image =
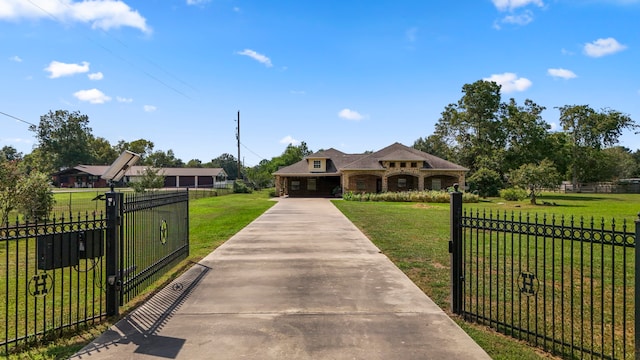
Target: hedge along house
{"type": "Point", "coordinates": [88, 176]}
{"type": "Point", "coordinates": [394, 168]}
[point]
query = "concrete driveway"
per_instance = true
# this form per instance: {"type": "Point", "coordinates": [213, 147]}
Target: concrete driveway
{"type": "Point", "coordinates": [300, 282]}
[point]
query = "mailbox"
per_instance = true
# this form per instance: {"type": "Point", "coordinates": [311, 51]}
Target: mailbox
{"type": "Point", "coordinates": [66, 249]}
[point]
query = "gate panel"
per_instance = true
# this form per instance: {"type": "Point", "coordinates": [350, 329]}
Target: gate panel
{"type": "Point", "coordinates": [562, 284]}
{"type": "Point", "coordinates": [154, 236]}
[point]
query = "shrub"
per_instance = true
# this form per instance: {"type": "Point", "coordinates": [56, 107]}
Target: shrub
{"type": "Point", "coordinates": [408, 196]}
{"type": "Point", "coordinates": [513, 194]}
{"type": "Point", "coordinates": [239, 187]}
{"type": "Point", "coordinates": [486, 181]}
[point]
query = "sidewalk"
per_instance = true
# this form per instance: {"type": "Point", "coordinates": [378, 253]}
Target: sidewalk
{"type": "Point", "coordinates": [300, 282]}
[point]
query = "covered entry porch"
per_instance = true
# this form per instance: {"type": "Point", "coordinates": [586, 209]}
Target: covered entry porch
{"type": "Point", "coordinates": [308, 186]}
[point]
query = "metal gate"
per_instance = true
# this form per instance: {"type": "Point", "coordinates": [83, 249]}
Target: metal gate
{"type": "Point", "coordinates": [566, 285]}
{"type": "Point", "coordinates": [147, 234]}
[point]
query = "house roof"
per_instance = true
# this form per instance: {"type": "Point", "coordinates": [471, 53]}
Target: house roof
{"type": "Point", "coordinates": [339, 161]}
{"type": "Point", "coordinates": [98, 170]}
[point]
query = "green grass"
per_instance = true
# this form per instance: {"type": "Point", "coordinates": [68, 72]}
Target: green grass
{"type": "Point", "coordinates": [415, 235]}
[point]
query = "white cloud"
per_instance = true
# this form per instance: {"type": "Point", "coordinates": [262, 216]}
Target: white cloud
{"type": "Point", "coordinates": [602, 47]}
{"type": "Point", "coordinates": [256, 56]}
{"type": "Point", "coordinates": [562, 73]}
{"type": "Point", "coordinates": [521, 19]}
{"type": "Point", "coordinates": [124, 100]}
{"type": "Point", "coordinates": [59, 69]}
{"type": "Point", "coordinates": [298, 92]}
{"type": "Point", "coordinates": [104, 14]}
{"type": "Point", "coordinates": [149, 108]}
{"type": "Point", "coordinates": [96, 76]}
{"type": "Point", "coordinates": [15, 58]}
{"type": "Point", "coordinates": [289, 140]}
{"type": "Point", "coordinates": [412, 34]}
{"type": "Point", "coordinates": [510, 82]}
{"type": "Point", "coordinates": [93, 96]}
{"type": "Point", "coordinates": [350, 115]}
{"type": "Point", "coordinates": [197, 2]}
{"type": "Point", "coordinates": [504, 5]}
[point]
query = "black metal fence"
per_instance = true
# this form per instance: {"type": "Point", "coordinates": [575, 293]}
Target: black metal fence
{"type": "Point", "coordinates": [154, 236]}
{"type": "Point", "coordinates": [563, 284]}
{"type": "Point", "coordinates": [51, 277]}
{"type": "Point", "coordinates": [71, 272]}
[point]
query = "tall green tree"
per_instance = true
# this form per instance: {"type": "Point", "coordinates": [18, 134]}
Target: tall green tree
{"type": "Point", "coordinates": [526, 134]}
{"type": "Point", "coordinates": [142, 147]}
{"type": "Point", "coordinates": [63, 137]}
{"type": "Point", "coordinates": [591, 130]}
{"type": "Point", "coordinates": [9, 153]}
{"type": "Point", "coordinates": [102, 152]}
{"type": "Point", "coordinates": [160, 159]}
{"type": "Point", "coordinates": [434, 145]}
{"type": "Point", "coordinates": [471, 127]}
{"type": "Point", "coordinates": [194, 163]}
{"type": "Point", "coordinates": [9, 178]}
{"type": "Point", "coordinates": [228, 162]}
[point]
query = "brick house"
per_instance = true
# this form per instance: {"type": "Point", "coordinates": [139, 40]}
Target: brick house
{"type": "Point", "coordinates": [83, 176]}
{"type": "Point", "coordinates": [394, 168]}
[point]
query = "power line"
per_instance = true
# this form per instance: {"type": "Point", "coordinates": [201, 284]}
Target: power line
{"type": "Point", "coordinates": [251, 151]}
{"type": "Point", "coordinates": [17, 118]}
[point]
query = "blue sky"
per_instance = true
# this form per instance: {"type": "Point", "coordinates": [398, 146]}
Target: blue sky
{"type": "Point", "coordinates": [353, 75]}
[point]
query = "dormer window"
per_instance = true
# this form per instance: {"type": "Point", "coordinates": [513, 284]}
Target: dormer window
{"type": "Point", "coordinates": [317, 164]}
{"type": "Point", "coordinates": [392, 164]}
{"type": "Point", "coordinates": [403, 164]}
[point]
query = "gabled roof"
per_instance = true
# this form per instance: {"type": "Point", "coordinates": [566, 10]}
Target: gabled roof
{"type": "Point", "coordinates": [338, 161]}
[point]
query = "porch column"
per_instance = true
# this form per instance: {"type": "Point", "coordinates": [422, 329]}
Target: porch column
{"type": "Point", "coordinates": [177, 181]}
{"type": "Point", "coordinates": [385, 183]}
{"type": "Point", "coordinates": [421, 182]}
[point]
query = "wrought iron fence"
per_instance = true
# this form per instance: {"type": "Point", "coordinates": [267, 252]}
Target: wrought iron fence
{"type": "Point", "coordinates": [566, 285]}
{"type": "Point", "coordinates": [154, 236]}
{"type": "Point", "coordinates": [71, 271]}
{"type": "Point", "coordinates": [51, 276]}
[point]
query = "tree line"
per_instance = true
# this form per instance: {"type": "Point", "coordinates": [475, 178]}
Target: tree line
{"type": "Point", "coordinates": [505, 143]}
{"type": "Point", "coordinates": [502, 143]}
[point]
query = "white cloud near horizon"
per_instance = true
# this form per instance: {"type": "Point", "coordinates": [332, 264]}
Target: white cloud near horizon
{"type": "Point", "coordinates": [104, 14]}
{"type": "Point", "coordinates": [121, 99]}
{"type": "Point", "coordinates": [350, 115]}
{"type": "Point", "coordinates": [58, 69]}
{"type": "Point", "coordinates": [256, 56]}
{"type": "Point", "coordinates": [149, 108]}
{"type": "Point", "coordinates": [93, 96]}
{"type": "Point", "coordinates": [289, 140]}
{"type": "Point", "coordinates": [96, 76]}
{"type": "Point", "coordinates": [197, 2]}
{"type": "Point", "coordinates": [562, 73]}
{"type": "Point", "coordinates": [602, 47]}
{"type": "Point", "coordinates": [510, 5]}
{"type": "Point", "coordinates": [510, 82]}
{"type": "Point", "coordinates": [15, 58]}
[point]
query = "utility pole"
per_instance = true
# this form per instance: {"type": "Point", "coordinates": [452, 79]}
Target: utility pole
{"type": "Point", "coordinates": [238, 138]}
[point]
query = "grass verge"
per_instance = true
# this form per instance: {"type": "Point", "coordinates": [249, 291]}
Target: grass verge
{"type": "Point", "coordinates": [415, 237]}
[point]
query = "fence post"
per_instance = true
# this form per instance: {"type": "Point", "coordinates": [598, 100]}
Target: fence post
{"type": "Point", "coordinates": [455, 249]}
{"type": "Point", "coordinates": [637, 290]}
{"type": "Point", "coordinates": [112, 252]}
